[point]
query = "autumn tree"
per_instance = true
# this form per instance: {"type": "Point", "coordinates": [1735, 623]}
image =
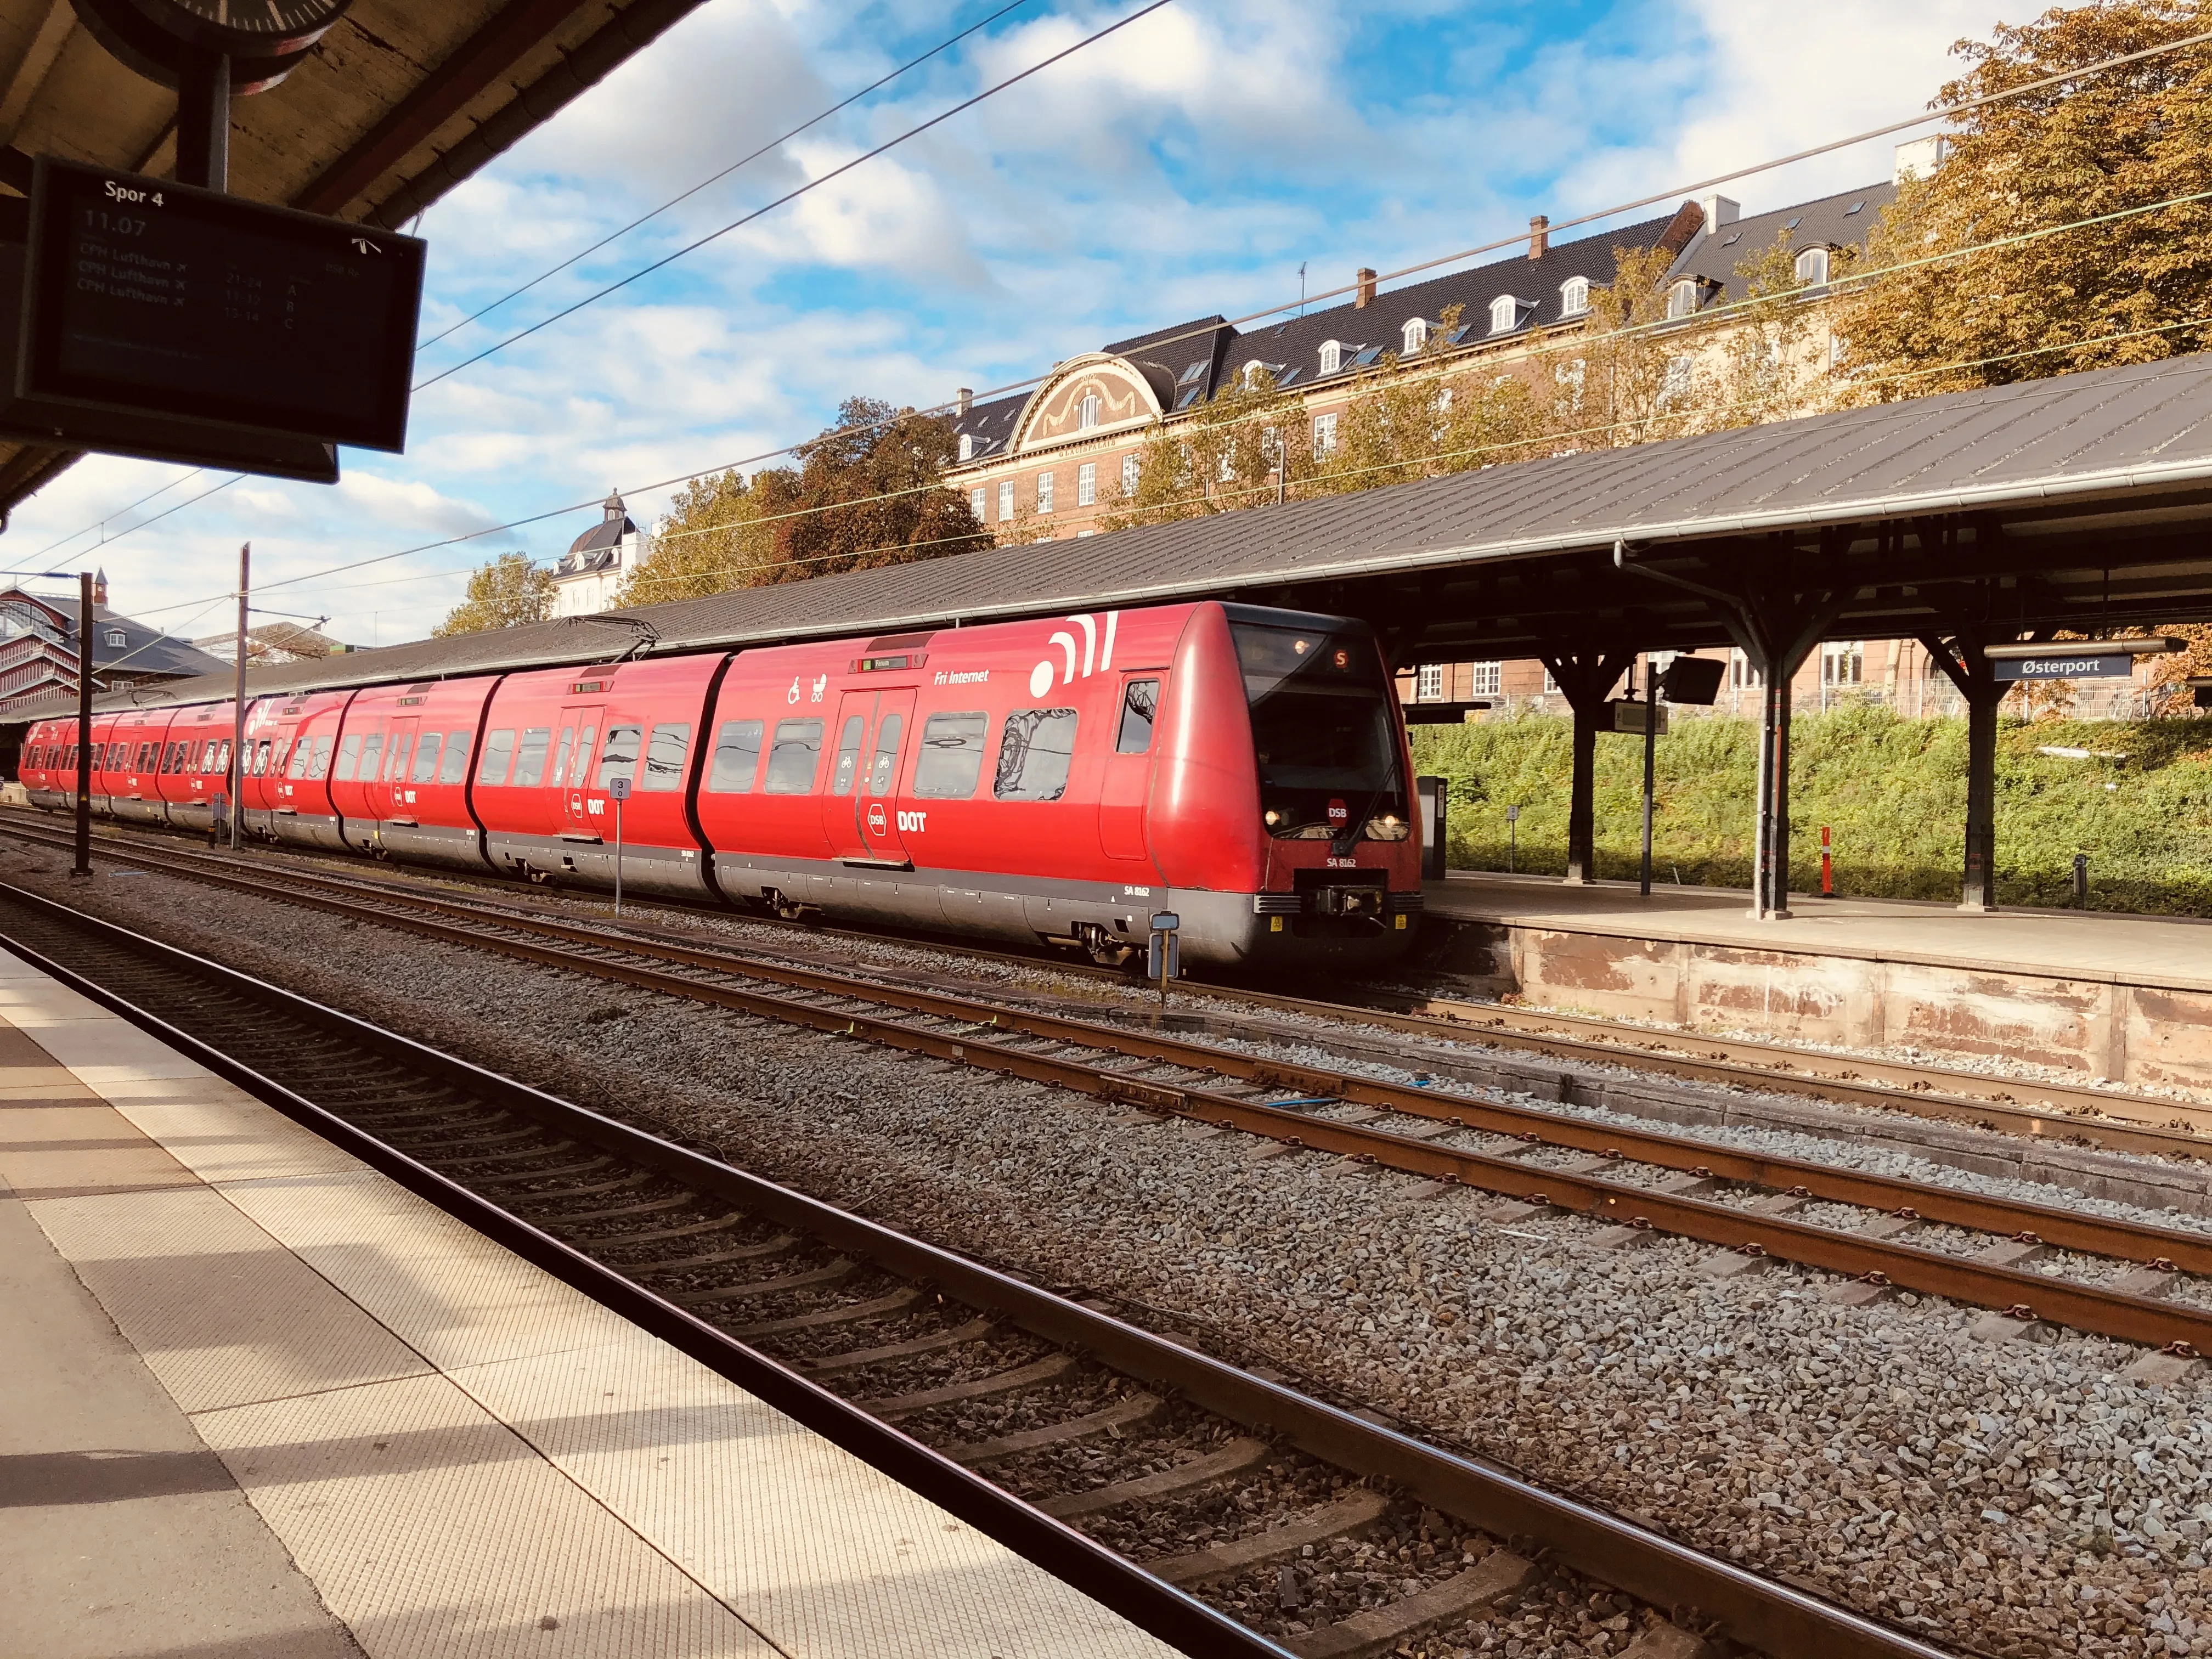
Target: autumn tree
{"type": "Point", "coordinates": [711, 541]}
{"type": "Point", "coordinates": [1224, 458]}
{"type": "Point", "coordinates": [2132, 289]}
{"type": "Point", "coordinates": [867, 492]}
{"type": "Point", "coordinates": [508, 591]}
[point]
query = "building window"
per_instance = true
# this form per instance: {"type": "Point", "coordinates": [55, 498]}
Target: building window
{"type": "Point", "coordinates": [1843, 663]}
{"type": "Point", "coordinates": [1331, 356]}
{"type": "Point", "coordinates": [1488, 680]}
{"type": "Point", "coordinates": [1835, 350]}
{"type": "Point", "coordinates": [1087, 416]}
{"type": "Point", "coordinates": [966, 445]}
{"type": "Point", "coordinates": [976, 503]}
{"type": "Point", "coordinates": [1129, 474]}
{"type": "Point", "coordinates": [1504, 312]}
{"type": "Point", "coordinates": [116, 636]}
{"type": "Point", "coordinates": [1574, 296]}
{"type": "Point", "coordinates": [1195, 374]}
{"type": "Point", "coordinates": [1551, 685]}
{"type": "Point", "coordinates": [1006, 499]}
{"type": "Point", "coordinates": [1429, 682]}
{"type": "Point", "coordinates": [1676, 387]}
{"type": "Point", "coordinates": [1682, 299]}
{"type": "Point", "coordinates": [1086, 484]}
{"type": "Point", "coordinates": [1416, 334]}
{"type": "Point", "coordinates": [1743, 671]}
{"type": "Point", "coordinates": [1324, 436]}
{"type": "Point", "coordinates": [1812, 266]}
{"type": "Point", "coordinates": [1044, 492]}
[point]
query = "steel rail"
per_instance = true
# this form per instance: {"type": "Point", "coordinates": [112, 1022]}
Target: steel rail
{"type": "Point", "coordinates": [1775, 1617]}
{"type": "Point", "coordinates": [2092, 1309]}
{"type": "Point", "coordinates": [2102, 1118]}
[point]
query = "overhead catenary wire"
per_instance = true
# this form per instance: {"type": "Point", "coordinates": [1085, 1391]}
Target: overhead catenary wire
{"type": "Point", "coordinates": [1937, 114]}
{"type": "Point", "coordinates": [776, 143]}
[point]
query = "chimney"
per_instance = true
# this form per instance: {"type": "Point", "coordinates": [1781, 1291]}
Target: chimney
{"type": "Point", "coordinates": [1540, 236]}
{"type": "Point", "coordinates": [1366, 296]}
{"type": "Point", "coordinates": [1718, 211]}
{"type": "Point", "coordinates": [1920, 158]}
{"type": "Point", "coordinates": [962, 401]}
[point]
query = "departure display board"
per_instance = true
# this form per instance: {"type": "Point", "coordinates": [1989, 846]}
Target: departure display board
{"type": "Point", "coordinates": [149, 296]}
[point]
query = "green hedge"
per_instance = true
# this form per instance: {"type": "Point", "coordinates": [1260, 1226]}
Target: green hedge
{"type": "Point", "coordinates": [1892, 790]}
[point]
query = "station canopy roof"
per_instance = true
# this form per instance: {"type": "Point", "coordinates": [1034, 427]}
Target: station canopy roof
{"type": "Point", "coordinates": [2080, 502]}
{"type": "Point", "coordinates": [398, 103]}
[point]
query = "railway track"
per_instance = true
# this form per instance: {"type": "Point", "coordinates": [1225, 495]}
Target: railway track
{"type": "Point", "coordinates": [1221, 1509]}
{"type": "Point", "coordinates": [1758, 1209]}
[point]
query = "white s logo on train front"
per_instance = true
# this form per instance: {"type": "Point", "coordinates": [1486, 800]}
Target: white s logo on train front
{"type": "Point", "coordinates": [1041, 676]}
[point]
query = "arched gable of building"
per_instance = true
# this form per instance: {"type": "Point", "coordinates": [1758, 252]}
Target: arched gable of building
{"type": "Point", "coordinates": [1054, 413]}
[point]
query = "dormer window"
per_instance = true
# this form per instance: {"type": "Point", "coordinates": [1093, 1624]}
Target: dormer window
{"type": "Point", "coordinates": [1682, 299]}
{"type": "Point", "coordinates": [966, 445]}
{"type": "Point", "coordinates": [1194, 372]}
{"type": "Point", "coordinates": [116, 636]}
{"type": "Point", "coordinates": [1416, 334]}
{"type": "Point", "coordinates": [1812, 266]}
{"type": "Point", "coordinates": [1574, 296]}
{"type": "Point", "coordinates": [1087, 414]}
{"type": "Point", "coordinates": [1504, 312]}
{"type": "Point", "coordinates": [1331, 356]}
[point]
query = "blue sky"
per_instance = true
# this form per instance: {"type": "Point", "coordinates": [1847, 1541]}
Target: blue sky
{"type": "Point", "coordinates": [1185, 165]}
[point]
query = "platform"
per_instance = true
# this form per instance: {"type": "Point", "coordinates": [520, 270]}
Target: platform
{"type": "Point", "coordinates": [2127, 999]}
{"type": "Point", "coordinates": [262, 1403]}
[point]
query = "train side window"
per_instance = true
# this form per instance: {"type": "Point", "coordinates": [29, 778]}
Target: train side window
{"type": "Point", "coordinates": [737, 758]}
{"type": "Point", "coordinates": [794, 756]}
{"type": "Point", "coordinates": [883, 771]}
{"type": "Point", "coordinates": [222, 758]}
{"type": "Point", "coordinates": [319, 766]}
{"type": "Point", "coordinates": [456, 767]}
{"type": "Point", "coordinates": [618, 756]}
{"type": "Point", "coordinates": [664, 757]}
{"type": "Point", "coordinates": [951, 757]}
{"type": "Point", "coordinates": [1141, 705]}
{"type": "Point", "coordinates": [530, 756]}
{"type": "Point", "coordinates": [261, 757]}
{"type": "Point", "coordinates": [371, 751]}
{"type": "Point", "coordinates": [426, 757]}
{"type": "Point", "coordinates": [498, 747]}
{"type": "Point", "coordinates": [1034, 750]}
{"type": "Point", "coordinates": [302, 752]}
{"type": "Point", "coordinates": [848, 755]}
{"type": "Point", "coordinates": [561, 757]}
{"type": "Point", "coordinates": [580, 763]}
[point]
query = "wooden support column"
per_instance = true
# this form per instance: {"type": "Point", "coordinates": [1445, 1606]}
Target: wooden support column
{"type": "Point", "coordinates": [1958, 654]}
{"type": "Point", "coordinates": [1585, 679]}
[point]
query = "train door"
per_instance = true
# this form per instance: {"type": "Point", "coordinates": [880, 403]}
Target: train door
{"type": "Point", "coordinates": [572, 771]}
{"type": "Point", "coordinates": [387, 797]}
{"type": "Point", "coordinates": [860, 806]}
{"type": "Point", "coordinates": [1128, 780]}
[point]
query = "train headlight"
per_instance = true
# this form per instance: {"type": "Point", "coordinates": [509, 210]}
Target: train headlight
{"type": "Point", "coordinates": [1271, 817]}
{"type": "Point", "coordinates": [1389, 827]}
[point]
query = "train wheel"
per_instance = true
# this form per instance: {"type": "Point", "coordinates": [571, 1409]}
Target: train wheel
{"type": "Point", "coordinates": [1100, 946]}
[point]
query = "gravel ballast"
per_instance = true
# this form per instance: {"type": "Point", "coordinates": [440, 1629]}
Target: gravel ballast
{"type": "Point", "coordinates": [2016, 1498]}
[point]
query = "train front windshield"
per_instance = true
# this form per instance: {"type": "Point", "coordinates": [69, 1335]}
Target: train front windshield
{"type": "Point", "coordinates": [1324, 722]}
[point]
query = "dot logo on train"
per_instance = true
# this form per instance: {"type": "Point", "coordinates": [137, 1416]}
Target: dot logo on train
{"type": "Point", "coordinates": [1244, 767]}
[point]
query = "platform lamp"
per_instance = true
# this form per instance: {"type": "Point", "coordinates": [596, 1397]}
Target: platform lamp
{"type": "Point", "coordinates": [211, 52]}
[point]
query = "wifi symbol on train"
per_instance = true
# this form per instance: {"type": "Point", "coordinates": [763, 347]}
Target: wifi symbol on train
{"type": "Point", "coordinates": [1041, 677]}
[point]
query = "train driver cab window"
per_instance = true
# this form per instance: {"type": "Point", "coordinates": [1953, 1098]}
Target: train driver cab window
{"type": "Point", "coordinates": [1034, 751]}
{"type": "Point", "coordinates": [951, 757]}
{"type": "Point", "coordinates": [530, 756]}
{"type": "Point", "coordinates": [883, 770]}
{"type": "Point", "coordinates": [455, 767]}
{"type": "Point", "coordinates": [426, 757]}
{"type": "Point", "coordinates": [664, 757]}
{"type": "Point", "coordinates": [848, 755]}
{"type": "Point", "coordinates": [498, 749]}
{"type": "Point", "coordinates": [737, 757]}
{"type": "Point", "coordinates": [618, 759]}
{"type": "Point", "coordinates": [794, 756]}
{"type": "Point", "coordinates": [1140, 706]}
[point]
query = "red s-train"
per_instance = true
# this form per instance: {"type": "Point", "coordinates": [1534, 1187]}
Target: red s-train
{"type": "Point", "coordinates": [1058, 780]}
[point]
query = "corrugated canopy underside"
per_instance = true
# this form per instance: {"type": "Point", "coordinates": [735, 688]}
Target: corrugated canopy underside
{"type": "Point", "coordinates": [2138, 437]}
